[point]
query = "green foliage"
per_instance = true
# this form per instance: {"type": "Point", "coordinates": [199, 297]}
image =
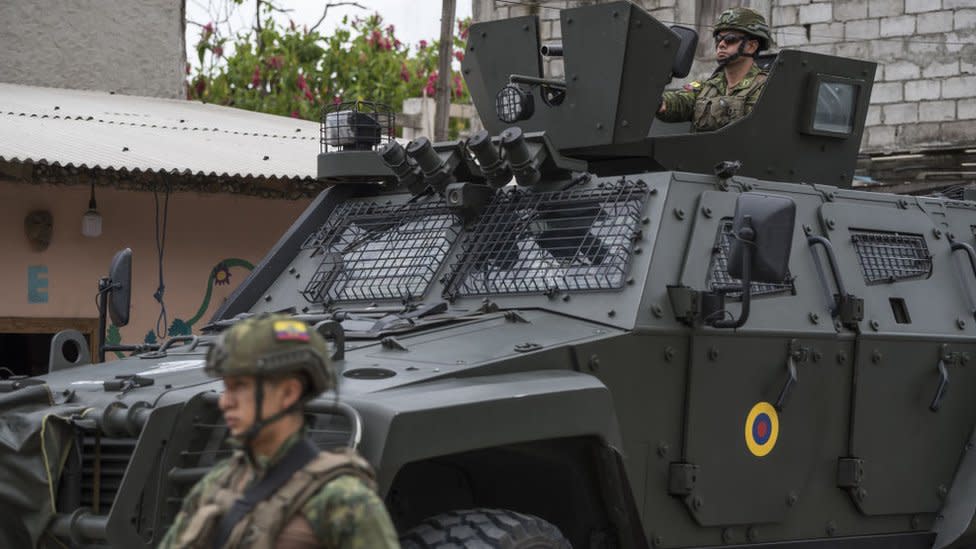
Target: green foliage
{"type": "Point", "coordinates": [292, 71]}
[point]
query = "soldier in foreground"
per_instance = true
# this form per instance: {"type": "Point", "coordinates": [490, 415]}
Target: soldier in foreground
{"type": "Point", "coordinates": [278, 490]}
{"type": "Point", "coordinates": [730, 94]}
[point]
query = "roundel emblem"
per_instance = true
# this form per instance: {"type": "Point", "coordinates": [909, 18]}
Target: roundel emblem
{"type": "Point", "coordinates": [761, 429]}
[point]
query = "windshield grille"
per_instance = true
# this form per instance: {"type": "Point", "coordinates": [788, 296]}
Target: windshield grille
{"type": "Point", "coordinates": [529, 242]}
{"type": "Point", "coordinates": [375, 251]}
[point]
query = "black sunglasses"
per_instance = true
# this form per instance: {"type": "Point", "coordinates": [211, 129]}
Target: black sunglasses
{"type": "Point", "coordinates": [729, 38]}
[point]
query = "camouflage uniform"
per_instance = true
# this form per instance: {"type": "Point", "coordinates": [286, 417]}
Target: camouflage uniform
{"type": "Point", "coordinates": [710, 105]}
{"type": "Point", "coordinates": [329, 502]}
{"type": "Point", "coordinates": [344, 514]}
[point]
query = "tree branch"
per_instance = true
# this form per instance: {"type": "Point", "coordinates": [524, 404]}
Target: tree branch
{"type": "Point", "coordinates": [333, 5]}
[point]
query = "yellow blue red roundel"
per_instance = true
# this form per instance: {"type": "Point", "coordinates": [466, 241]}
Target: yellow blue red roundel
{"type": "Point", "coordinates": [761, 429]}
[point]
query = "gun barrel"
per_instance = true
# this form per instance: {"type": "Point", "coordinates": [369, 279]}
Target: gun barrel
{"type": "Point", "coordinates": [552, 50]}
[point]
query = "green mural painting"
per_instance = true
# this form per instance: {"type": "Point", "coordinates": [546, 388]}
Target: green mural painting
{"type": "Point", "coordinates": [220, 276]}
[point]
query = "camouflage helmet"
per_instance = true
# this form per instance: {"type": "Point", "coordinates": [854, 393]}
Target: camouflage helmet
{"type": "Point", "coordinates": [272, 345]}
{"type": "Point", "coordinates": [748, 21]}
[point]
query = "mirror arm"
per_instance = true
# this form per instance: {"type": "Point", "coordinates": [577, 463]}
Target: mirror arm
{"type": "Point", "coordinates": [746, 292]}
{"type": "Point", "coordinates": [104, 287]}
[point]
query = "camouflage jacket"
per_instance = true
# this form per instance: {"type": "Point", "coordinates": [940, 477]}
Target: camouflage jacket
{"type": "Point", "coordinates": [709, 105]}
{"type": "Point", "coordinates": [345, 513]}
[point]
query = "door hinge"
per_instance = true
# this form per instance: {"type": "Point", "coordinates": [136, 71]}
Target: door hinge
{"type": "Point", "coordinates": [850, 472]}
{"type": "Point", "coordinates": [682, 478]}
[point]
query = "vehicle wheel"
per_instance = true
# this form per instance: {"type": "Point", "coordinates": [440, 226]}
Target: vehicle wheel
{"type": "Point", "coordinates": [484, 528]}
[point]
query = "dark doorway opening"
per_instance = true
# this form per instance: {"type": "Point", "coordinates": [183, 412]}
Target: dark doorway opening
{"type": "Point", "coordinates": [25, 343]}
{"type": "Point", "coordinates": [25, 354]}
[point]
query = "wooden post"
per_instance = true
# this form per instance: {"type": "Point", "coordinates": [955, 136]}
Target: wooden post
{"type": "Point", "coordinates": [443, 93]}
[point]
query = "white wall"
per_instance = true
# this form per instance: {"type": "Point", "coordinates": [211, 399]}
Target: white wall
{"type": "Point", "coordinates": [125, 46]}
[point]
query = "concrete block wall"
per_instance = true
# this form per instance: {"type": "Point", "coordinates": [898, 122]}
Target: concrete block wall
{"type": "Point", "coordinates": [133, 48]}
{"type": "Point", "coordinates": [924, 94]}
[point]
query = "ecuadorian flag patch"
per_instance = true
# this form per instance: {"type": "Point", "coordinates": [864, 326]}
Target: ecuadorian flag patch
{"type": "Point", "coordinates": [290, 330]}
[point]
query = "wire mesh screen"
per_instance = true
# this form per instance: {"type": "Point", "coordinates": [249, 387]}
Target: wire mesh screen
{"type": "Point", "coordinates": [719, 279]}
{"type": "Point", "coordinates": [370, 251]}
{"type": "Point", "coordinates": [890, 257]}
{"type": "Point", "coordinates": [545, 242]}
{"type": "Point", "coordinates": [356, 126]}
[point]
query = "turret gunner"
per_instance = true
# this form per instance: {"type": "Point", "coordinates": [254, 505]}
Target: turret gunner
{"type": "Point", "coordinates": [732, 92]}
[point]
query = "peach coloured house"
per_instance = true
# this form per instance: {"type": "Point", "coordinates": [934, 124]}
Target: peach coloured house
{"type": "Point", "coordinates": [199, 192]}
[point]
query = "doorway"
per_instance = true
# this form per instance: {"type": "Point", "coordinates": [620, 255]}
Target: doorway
{"type": "Point", "coordinates": [25, 343]}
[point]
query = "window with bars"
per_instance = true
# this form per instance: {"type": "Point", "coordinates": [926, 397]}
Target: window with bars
{"type": "Point", "coordinates": [719, 279]}
{"type": "Point", "coordinates": [891, 257]}
{"type": "Point", "coordinates": [368, 251]}
{"type": "Point", "coordinates": [528, 242]}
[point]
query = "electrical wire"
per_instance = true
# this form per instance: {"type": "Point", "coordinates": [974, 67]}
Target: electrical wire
{"type": "Point", "coordinates": [784, 33]}
{"type": "Point", "coordinates": [160, 252]}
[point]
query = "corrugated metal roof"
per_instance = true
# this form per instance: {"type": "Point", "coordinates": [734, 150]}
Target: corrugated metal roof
{"type": "Point", "coordinates": [91, 129]}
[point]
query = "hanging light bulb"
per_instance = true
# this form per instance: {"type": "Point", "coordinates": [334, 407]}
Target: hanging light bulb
{"type": "Point", "coordinates": [91, 222]}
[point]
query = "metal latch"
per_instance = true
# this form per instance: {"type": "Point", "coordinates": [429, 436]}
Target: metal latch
{"type": "Point", "coordinates": [850, 472]}
{"type": "Point", "coordinates": [946, 358]}
{"type": "Point", "coordinates": [797, 354]}
{"type": "Point", "coordinates": [850, 309]}
{"type": "Point", "coordinates": [682, 478]}
{"type": "Point", "coordinates": [686, 303]}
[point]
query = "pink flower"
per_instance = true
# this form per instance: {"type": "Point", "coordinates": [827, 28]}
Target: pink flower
{"type": "Point", "coordinates": [200, 86]}
{"type": "Point", "coordinates": [422, 44]}
{"type": "Point", "coordinates": [294, 114]}
{"type": "Point", "coordinates": [256, 77]}
{"type": "Point", "coordinates": [208, 29]}
{"type": "Point", "coordinates": [218, 51]}
{"type": "Point", "coordinates": [309, 96]}
{"type": "Point", "coordinates": [302, 84]}
{"type": "Point", "coordinates": [386, 44]}
{"type": "Point", "coordinates": [397, 43]}
{"type": "Point", "coordinates": [459, 55]}
{"type": "Point", "coordinates": [404, 73]}
{"type": "Point", "coordinates": [187, 68]}
{"type": "Point", "coordinates": [390, 29]}
{"type": "Point", "coordinates": [337, 100]}
{"type": "Point", "coordinates": [276, 61]}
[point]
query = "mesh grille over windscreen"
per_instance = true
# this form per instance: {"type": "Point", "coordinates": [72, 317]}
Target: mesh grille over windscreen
{"type": "Point", "coordinates": [528, 242]}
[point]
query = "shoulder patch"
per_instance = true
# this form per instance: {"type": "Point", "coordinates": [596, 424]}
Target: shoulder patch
{"type": "Point", "coordinates": [693, 86]}
{"type": "Point", "coordinates": [290, 330]}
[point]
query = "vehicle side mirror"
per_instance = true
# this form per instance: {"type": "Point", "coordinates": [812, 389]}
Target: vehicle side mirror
{"type": "Point", "coordinates": [119, 298]}
{"type": "Point", "coordinates": [771, 219]}
{"type": "Point", "coordinates": [762, 237]}
{"type": "Point", "coordinates": [685, 56]}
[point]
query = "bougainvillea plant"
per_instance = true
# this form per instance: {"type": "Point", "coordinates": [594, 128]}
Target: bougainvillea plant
{"type": "Point", "coordinates": [290, 70]}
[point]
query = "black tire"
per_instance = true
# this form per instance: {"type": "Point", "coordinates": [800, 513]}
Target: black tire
{"type": "Point", "coordinates": [484, 529]}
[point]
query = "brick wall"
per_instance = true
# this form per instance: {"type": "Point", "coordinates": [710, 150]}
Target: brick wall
{"type": "Point", "coordinates": [925, 87]}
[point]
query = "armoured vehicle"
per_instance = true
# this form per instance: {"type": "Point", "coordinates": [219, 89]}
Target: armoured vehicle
{"type": "Point", "coordinates": [653, 338]}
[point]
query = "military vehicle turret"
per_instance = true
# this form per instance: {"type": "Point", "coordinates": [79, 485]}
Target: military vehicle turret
{"type": "Point", "coordinates": [651, 338]}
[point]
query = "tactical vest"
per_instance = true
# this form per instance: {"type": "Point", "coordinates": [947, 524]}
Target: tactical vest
{"type": "Point", "coordinates": [714, 110]}
{"type": "Point", "coordinates": [260, 528]}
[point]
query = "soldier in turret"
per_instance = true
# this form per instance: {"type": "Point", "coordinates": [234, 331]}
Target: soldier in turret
{"type": "Point", "coordinates": [731, 93]}
{"type": "Point", "coordinates": [278, 490]}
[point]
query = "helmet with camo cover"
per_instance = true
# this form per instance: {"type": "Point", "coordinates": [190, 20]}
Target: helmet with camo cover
{"type": "Point", "coordinates": [270, 346]}
{"type": "Point", "coordinates": [746, 20]}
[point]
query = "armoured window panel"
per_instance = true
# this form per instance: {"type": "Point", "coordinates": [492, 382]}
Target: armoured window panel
{"type": "Point", "coordinates": [370, 251]}
{"type": "Point", "coordinates": [719, 279]}
{"type": "Point", "coordinates": [528, 242]}
{"type": "Point", "coordinates": [891, 257]}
